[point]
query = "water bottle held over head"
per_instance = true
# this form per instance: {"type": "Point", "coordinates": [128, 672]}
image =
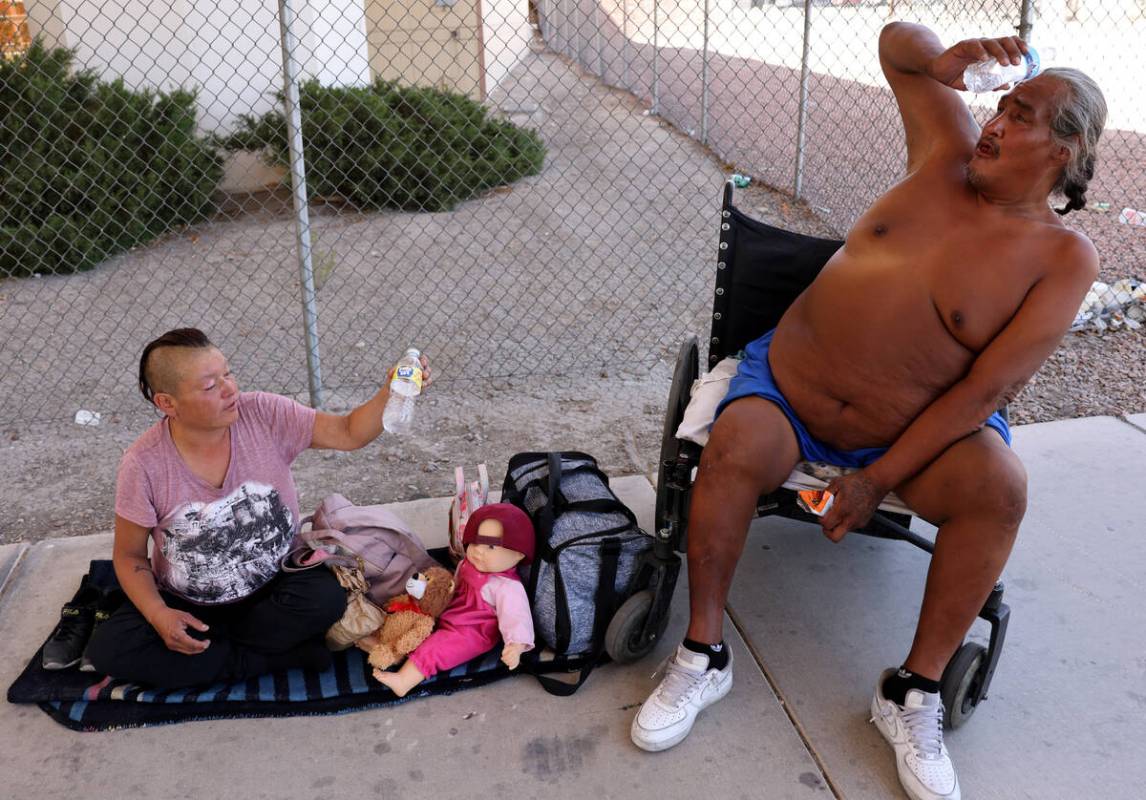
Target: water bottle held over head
{"type": "Point", "coordinates": [989, 75]}
{"type": "Point", "coordinates": [405, 386]}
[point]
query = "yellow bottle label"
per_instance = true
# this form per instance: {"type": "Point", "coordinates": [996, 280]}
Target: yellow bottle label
{"type": "Point", "coordinates": [408, 373]}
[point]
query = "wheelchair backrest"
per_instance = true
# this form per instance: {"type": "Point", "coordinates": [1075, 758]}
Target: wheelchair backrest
{"type": "Point", "coordinates": [760, 271]}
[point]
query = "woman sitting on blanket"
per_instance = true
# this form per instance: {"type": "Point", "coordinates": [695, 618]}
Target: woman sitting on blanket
{"type": "Point", "coordinates": [210, 483]}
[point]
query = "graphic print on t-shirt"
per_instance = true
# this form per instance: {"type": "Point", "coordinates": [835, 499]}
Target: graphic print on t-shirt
{"type": "Point", "coordinates": [222, 551]}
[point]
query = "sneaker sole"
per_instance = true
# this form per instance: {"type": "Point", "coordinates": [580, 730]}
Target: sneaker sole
{"type": "Point", "coordinates": [672, 741]}
{"type": "Point", "coordinates": [55, 665]}
{"type": "Point", "coordinates": [656, 747]}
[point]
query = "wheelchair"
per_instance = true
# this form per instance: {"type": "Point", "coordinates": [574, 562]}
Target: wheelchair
{"type": "Point", "coordinates": [760, 271]}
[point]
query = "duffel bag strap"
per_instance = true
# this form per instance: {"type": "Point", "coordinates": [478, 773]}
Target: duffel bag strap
{"type": "Point", "coordinates": [547, 514]}
{"type": "Point", "coordinates": [602, 505]}
{"type": "Point", "coordinates": [606, 599]}
{"type": "Point", "coordinates": [606, 605]}
{"type": "Point", "coordinates": [545, 670]}
{"type": "Point", "coordinates": [560, 688]}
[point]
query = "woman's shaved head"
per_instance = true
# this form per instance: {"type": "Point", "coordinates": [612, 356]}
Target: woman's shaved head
{"type": "Point", "coordinates": [159, 366]}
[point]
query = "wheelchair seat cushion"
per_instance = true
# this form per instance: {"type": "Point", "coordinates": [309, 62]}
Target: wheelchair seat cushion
{"type": "Point", "coordinates": [705, 395]}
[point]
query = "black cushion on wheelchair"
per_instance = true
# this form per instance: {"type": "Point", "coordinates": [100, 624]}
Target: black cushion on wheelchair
{"type": "Point", "coordinates": [766, 269]}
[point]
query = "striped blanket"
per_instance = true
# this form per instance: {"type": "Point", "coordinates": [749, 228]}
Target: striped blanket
{"type": "Point", "coordinates": [83, 701]}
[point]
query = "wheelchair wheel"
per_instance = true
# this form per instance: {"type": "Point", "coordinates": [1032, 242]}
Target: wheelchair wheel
{"type": "Point", "coordinates": [686, 371]}
{"type": "Point", "coordinates": [623, 640]}
{"type": "Point", "coordinates": [960, 685]}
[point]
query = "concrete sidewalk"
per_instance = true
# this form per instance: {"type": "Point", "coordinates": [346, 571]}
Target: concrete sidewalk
{"type": "Point", "coordinates": [1065, 716]}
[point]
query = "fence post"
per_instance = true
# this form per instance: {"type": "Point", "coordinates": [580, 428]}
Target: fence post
{"type": "Point", "coordinates": [625, 41]}
{"type": "Point", "coordinates": [1025, 20]}
{"type": "Point", "coordinates": [802, 113]}
{"type": "Point", "coordinates": [656, 109]}
{"type": "Point", "coordinates": [597, 36]}
{"type": "Point", "coordinates": [579, 34]}
{"type": "Point", "coordinates": [301, 209]}
{"type": "Point", "coordinates": [704, 83]}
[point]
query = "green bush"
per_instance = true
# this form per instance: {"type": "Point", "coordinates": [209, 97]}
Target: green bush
{"type": "Point", "coordinates": [89, 169]}
{"type": "Point", "coordinates": [389, 146]}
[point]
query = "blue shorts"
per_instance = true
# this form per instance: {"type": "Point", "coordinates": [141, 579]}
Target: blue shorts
{"type": "Point", "coordinates": [754, 379]}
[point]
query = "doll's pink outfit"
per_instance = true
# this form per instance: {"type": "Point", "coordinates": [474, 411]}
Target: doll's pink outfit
{"type": "Point", "coordinates": [487, 607]}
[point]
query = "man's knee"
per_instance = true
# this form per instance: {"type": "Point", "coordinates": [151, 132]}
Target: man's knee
{"type": "Point", "coordinates": [751, 442]}
{"type": "Point", "coordinates": [978, 478]}
{"type": "Point", "coordinates": [726, 457]}
{"type": "Point", "coordinates": [999, 490]}
{"type": "Point", "coordinates": [1005, 490]}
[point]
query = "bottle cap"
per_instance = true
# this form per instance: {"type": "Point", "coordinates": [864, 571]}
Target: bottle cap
{"type": "Point", "coordinates": [1033, 63]}
{"type": "Point", "coordinates": [413, 351]}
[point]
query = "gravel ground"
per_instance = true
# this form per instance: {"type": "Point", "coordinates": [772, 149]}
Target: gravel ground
{"type": "Point", "coordinates": [552, 310]}
{"type": "Point", "coordinates": [1089, 374]}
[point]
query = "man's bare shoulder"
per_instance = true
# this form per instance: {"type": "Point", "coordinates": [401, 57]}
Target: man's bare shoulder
{"type": "Point", "coordinates": [1067, 253]}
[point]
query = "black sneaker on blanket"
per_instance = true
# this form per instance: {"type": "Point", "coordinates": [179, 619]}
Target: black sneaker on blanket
{"type": "Point", "coordinates": [66, 645]}
{"type": "Point", "coordinates": [107, 606]}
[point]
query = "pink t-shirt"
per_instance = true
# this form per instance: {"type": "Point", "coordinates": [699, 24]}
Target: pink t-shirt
{"type": "Point", "coordinates": [217, 545]}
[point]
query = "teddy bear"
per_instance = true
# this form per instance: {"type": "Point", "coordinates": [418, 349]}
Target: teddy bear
{"type": "Point", "coordinates": [410, 617]}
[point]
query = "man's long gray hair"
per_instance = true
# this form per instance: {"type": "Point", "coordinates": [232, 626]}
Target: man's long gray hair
{"type": "Point", "coordinates": [1077, 124]}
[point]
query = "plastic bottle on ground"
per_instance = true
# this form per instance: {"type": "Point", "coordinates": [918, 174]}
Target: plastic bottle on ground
{"type": "Point", "coordinates": [405, 387]}
{"type": "Point", "coordinates": [989, 75]}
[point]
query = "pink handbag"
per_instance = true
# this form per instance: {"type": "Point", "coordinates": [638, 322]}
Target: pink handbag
{"type": "Point", "coordinates": [367, 537]}
{"type": "Point", "coordinates": [468, 498]}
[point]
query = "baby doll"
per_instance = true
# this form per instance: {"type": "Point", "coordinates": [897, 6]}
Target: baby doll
{"type": "Point", "coordinates": [489, 600]}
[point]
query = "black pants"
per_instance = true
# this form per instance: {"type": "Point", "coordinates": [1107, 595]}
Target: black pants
{"type": "Point", "coordinates": [278, 627]}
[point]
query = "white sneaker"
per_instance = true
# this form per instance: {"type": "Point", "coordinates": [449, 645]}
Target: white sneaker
{"type": "Point", "coordinates": [688, 687]}
{"type": "Point", "coordinates": [915, 731]}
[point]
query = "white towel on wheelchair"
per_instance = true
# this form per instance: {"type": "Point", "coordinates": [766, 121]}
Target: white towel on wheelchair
{"type": "Point", "coordinates": [704, 397]}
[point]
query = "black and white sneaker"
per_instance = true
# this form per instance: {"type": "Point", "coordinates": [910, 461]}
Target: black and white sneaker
{"type": "Point", "coordinates": [108, 605]}
{"type": "Point", "coordinates": [65, 646]}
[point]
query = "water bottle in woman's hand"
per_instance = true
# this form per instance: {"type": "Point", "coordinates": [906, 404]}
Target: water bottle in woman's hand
{"type": "Point", "coordinates": [405, 386]}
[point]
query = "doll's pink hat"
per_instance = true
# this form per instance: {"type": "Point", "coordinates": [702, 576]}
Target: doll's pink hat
{"type": "Point", "coordinates": [516, 527]}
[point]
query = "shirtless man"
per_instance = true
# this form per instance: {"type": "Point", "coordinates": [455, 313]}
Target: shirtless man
{"type": "Point", "coordinates": [948, 294]}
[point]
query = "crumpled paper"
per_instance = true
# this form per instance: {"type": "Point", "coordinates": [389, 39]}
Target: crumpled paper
{"type": "Point", "coordinates": [88, 418]}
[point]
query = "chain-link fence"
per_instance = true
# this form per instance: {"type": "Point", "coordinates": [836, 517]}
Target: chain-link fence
{"type": "Point", "coordinates": [518, 189]}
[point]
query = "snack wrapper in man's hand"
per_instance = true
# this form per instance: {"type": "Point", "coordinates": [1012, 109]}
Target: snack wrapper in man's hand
{"type": "Point", "coordinates": [815, 501]}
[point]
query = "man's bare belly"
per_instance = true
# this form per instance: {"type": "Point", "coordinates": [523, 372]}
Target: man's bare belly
{"type": "Point", "coordinates": [863, 352]}
{"type": "Point", "coordinates": [923, 285]}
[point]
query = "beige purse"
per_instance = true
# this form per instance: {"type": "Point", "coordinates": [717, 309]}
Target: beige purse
{"type": "Point", "coordinates": [361, 617]}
